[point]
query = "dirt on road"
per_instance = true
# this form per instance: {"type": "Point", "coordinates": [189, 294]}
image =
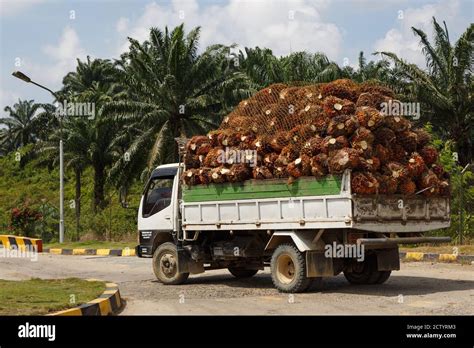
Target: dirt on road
{"type": "Point", "coordinates": [418, 288]}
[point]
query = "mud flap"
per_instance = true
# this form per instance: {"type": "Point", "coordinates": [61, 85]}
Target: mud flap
{"type": "Point", "coordinates": [388, 259]}
{"type": "Point", "coordinates": [188, 265]}
{"type": "Point", "coordinates": [318, 265]}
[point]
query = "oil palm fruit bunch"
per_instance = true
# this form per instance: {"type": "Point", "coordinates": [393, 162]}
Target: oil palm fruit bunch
{"type": "Point", "coordinates": [364, 183]}
{"type": "Point", "coordinates": [429, 183]}
{"type": "Point", "coordinates": [429, 154]}
{"type": "Point", "coordinates": [408, 139]}
{"type": "Point", "coordinates": [397, 123]}
{"type": "Point", "coordinates": [261, 173]}
{"type": "Point", "coordinates": [343, 159]}
{"type": "Point", "coordinates": [388, 185]}
{"type": "Point", "coordinates": [371, 99]}
{"type": "Point", "coordinates": [342, 125]}
{"type": "Point", "coordinates": [423, 137]}
{"type": "Point", "coordinates": [316, 130]}
{"type": "Point", "coordinates": [333, 106]}
{"type": "Point", "coordinates": [369, 117]}
{"type": "Point", "coordinates": [343, 89]}
{"type": "Point", "coordinates": [238, 172]}
{"type": "Point", "coordinates": [407, 187]}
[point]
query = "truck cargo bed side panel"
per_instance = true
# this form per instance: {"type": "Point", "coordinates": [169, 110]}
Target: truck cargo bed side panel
{"type": "Point", "coordinates": [261, 189]}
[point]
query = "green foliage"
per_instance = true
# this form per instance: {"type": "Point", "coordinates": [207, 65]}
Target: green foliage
{"type": "Point", "coordinates": [446, 88]}
{"type": "Point", "coordinates": [460, 184]}
{"type": "Point", "coordinates": [26, 123]}
{"type": "Point", "coordinates": [39, 188]}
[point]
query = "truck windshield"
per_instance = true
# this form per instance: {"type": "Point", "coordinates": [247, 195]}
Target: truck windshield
{"type": "Point", "coordinates": [157, 195]}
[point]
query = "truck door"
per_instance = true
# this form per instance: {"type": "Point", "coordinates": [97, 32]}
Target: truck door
{"type": "Point", "coordinates": [155, 214]}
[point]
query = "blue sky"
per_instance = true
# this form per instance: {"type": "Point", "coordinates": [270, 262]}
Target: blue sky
{"type": "Point", "coordinates": [43, 38]}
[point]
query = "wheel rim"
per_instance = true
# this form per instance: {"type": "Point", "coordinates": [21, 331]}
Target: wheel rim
{"type": "Point", "coordinates": [168, 265]}
{"type": "Point", "coordinates": [285, 269]}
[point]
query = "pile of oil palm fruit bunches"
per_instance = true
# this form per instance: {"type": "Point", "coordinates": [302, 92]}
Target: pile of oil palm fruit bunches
{"type": "Point", "coordinates": [316, 130]}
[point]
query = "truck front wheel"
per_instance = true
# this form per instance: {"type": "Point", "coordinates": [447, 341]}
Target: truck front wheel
{"type": "Point", "coordinates": [288, 268]}
{"type": "Point", "coordinates": [165, 265]}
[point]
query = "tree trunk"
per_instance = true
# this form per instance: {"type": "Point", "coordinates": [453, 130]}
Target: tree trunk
{"type": "Point", "coordinates": [78, 202]}
{"type": "Point", "coordinates": [99, 183]}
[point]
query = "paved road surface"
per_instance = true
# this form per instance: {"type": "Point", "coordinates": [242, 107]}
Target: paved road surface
{"type": "Point", "coordinates": [419, 288]}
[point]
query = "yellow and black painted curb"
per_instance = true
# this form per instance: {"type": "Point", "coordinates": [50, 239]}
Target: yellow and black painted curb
{"type": "Point", "coordinates": [108, 303]}
{"type": "Point", "coordinates": [417, 256]}
{"type": "Point", "coordinates": [21, 243]}
{"type": "Point", "coordinates": [98, 252]}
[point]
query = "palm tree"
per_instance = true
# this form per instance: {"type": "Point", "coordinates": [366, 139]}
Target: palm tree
{"type": "Point", "coordinates": [172, 91]}
{"type": "Point", "coordinates": [263, 68]}
{"type": "Point", "coordinates": [6, 144]}
{"type": "Point", "coordinates": [306, 67]}
{"type": "Point", "coordinates": [87, 142]}
{"type": "Point", "coordinates": [373, 70]}
{"type": "Point", "coordinates": [21, 123]}
{"type": "Point", "coordinates": [446, 88]}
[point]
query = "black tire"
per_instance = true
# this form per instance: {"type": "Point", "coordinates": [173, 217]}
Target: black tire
{"type": "Point", "coordinates": [365, 272]}
{"type": "Point", "coordinates": [384, 275]}
{"type": "Point", "coordinates": [288, 269]}
{"type": "Point", "coordinates": [165, 265]}
{"type": "Point", "coordinates": [242, 272]}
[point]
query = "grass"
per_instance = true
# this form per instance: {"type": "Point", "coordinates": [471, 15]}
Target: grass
{"type": "Point", "coordinates": [441, 249]}
{"type": "Point", "coordinates": [43, 296]}
{"type": "Point", "coordinates": [92, 244]}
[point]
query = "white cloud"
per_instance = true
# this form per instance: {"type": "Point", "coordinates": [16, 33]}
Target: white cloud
{"type": "Point", "coordinates": [62, 59]}
{"type": "Point", "coordinates": [122, 24]}
{"type": "Point", "coordinates": [403, 42]}
{"type": "Point", "coordinates": [279, 25]}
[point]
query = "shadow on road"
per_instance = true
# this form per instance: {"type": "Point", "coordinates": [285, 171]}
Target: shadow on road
{"type": "Point", "coordinates": [406, 285]}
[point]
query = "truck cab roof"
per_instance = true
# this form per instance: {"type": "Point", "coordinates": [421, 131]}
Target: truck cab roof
{"type": "Point", "coordinates": [165, 170]}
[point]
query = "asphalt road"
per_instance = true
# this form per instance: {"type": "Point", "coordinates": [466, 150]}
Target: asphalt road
{"type": "Point", "coordinates": [418, 288]}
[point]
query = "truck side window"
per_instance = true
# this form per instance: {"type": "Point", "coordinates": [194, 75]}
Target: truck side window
{"type": "Point", "coordinates": [157, 195]}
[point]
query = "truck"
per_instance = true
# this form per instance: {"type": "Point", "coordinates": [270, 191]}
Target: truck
{"type": "Point", "coordinates": [304, 231]}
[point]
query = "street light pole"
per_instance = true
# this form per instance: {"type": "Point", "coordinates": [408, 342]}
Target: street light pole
{"type": "Point", "coordinates": [23, 77]}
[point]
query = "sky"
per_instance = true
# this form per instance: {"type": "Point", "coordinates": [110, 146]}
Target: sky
{"type": "Point", "coordinates": [44, 38]}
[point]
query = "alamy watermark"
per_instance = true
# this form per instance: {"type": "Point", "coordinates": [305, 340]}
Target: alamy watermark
{"type": "Point", "coordinates": [398, 108]}
{"type": "Point", "coordinates": [235, 156]}
{"type": "Point", "coordinates": [72, 109]}
{"type": "Point", "coordinates": [14, 252]}
{"type": "Point", "coordinates": [341, 251]}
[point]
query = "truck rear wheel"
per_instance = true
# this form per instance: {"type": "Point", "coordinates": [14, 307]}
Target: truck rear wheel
{"type": "Point", "coordinates": [165, 265]}
{"type": "Point", "coordinates": [384, 275]}
{"type": "Point", "coordinates": [288, 268]}
{"type": "Point", "coordinates": [366, 272]}
{"type": "Point", "coordinates": [239, 272]}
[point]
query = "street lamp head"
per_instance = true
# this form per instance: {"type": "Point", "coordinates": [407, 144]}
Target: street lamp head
{"type": "Point", "coordinates": [21, 76]}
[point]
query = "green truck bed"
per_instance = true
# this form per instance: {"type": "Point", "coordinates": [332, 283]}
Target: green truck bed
{"type": "Point", "coordinates": [260, 189]}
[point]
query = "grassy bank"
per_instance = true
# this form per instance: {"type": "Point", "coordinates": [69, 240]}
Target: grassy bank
{"type": "Point", "coordinates": [41, 296]}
